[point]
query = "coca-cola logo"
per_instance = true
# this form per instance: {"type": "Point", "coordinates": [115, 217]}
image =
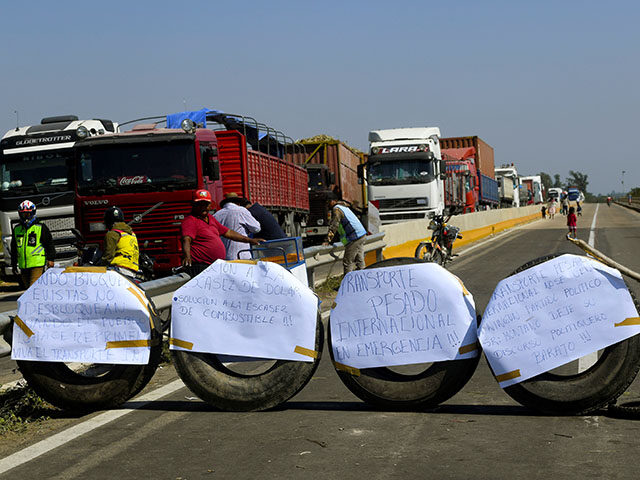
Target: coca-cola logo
{"type": "Point", "coordinates": [134, 180]}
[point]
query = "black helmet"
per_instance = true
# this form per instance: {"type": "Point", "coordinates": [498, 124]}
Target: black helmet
{"type": "Point", "coordinates": [113, 215]}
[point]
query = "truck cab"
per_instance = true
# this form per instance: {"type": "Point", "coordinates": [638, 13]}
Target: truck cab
{"type": "Point", "coordinates": [321, 183]}
{"type": "Point", "coordinates": [404, 173]}
{"type": "Point", "coordinates": [37, 164]}
{"type": "Point", "coordinates": [509, 180]}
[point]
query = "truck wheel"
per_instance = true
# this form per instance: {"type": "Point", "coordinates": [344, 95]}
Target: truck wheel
{"type": "Point", "coordinates": [248, 385]}
{"type": "Point", "coordinates": [413, 386]}
{"type": "Point", "coordinates": [87, 387]}
{"type": "Point", "coordinates": [581, 393]}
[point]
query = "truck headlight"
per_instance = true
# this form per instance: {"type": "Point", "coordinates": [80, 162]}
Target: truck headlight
{"type": "Point", "coordinates": [187, 125]}
{"type": "Point", "coordinates": [320, 221]}
{"type": "Point", "coordinates": [82, 132]}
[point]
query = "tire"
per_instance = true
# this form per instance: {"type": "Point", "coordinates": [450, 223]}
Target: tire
{"type": "Point", "coordinates": [95, 387]}
{"type": "Point", "coordinates": [423, 251]}
{"type": "Point", "coordinates": [386, 388]}
{"type": "Point", "coordinates": [225, 389]}
{"type": "Point", "coordinates": [584, 392]}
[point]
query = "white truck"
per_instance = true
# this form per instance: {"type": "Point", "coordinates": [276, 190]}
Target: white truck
{"type": "Point", "coordinates": [37, 163]}
{"type": "Point", "coordinates": [509, 185]}
{"type": "Point", "coordinates": [404, 173]}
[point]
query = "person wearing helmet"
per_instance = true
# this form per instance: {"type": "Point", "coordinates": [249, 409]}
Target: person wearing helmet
{"type": "Point", "coordinates": [120, 243]}
{"type": "Point", "coordinates": [31, 245]}
{"type": "Point", "coordinates": [201, 232]}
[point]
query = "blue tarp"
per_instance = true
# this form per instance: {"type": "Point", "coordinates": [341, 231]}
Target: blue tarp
{"type": "Point", "coordinates": [257, 138]}
{"type": "Point", "coordinates": [199, 116]}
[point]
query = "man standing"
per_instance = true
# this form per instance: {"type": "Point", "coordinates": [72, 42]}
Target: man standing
{"type": "Point", "coordinates": [31, 245]}
{"type": "Point", "coordinates": [201, 232]}
{"type": "Point", "coordinates": [237, 218]}
{"type": "Point", "coordinates": [352, 235]}
{"type": "Point", "coordinates": [270, 229]}
{"type": "Point", "coordinates": [120, 243]}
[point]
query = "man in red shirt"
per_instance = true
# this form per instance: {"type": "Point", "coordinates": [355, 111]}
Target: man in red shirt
{"type": "Point", "coordinates": [201, 232]}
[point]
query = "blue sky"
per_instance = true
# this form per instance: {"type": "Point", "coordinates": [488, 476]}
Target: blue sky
{"type": "Point", "coordinates": [552, 86]}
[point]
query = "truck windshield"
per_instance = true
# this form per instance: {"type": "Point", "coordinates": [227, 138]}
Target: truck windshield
{"type": "Point", "coordinates": [399, 172]}
{"type": "Point", "coordinates": [35, 172]}
{"type": "Point", "coordinates": [145, 167]}
{"type": "Point", "coordinates": [316, 179]}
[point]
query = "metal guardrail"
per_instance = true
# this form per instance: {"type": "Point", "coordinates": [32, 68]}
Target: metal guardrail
{"type": "Point", "coordinates": [319, 256]}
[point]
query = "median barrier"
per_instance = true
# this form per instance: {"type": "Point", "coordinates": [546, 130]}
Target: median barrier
{"type": "Point", "coordinates": [402, 238]}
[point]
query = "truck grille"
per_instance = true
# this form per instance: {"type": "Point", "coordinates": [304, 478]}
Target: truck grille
{"type": "Point", "coordinates": [403, 203]}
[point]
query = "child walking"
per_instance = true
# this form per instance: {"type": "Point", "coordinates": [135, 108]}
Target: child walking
{"type": "Point", "coordinates": [572, 221]}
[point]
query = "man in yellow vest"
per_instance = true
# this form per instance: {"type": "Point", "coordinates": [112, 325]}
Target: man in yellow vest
{"type": "Point", "coordinates": [120, 243]}
{"type": "Point", "coordinates": [31, 245]}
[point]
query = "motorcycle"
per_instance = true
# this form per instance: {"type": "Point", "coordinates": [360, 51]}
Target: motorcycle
{"type": "Point", "coordinates": [439, 248]}
{"type": "Point", "coordinates": [91, 255]}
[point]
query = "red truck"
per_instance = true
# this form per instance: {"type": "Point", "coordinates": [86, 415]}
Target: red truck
{"type": "Point", "coordinates": [163, 167]}
{"type": "Point", "coordinates": [470, 173]}
{"type": "Point", "coordinates": [333, 169]}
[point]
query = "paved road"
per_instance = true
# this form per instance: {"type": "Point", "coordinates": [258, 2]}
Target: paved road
{"type": "Point", "coordinates": [326, 432]}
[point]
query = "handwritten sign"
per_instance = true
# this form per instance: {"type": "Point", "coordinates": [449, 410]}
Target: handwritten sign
{"type": "Point", "coordinates": [248, 310]}
{"type": "Point", "coordinates": [552, 314]}
{"type": "Point", "coordinates": [402, 315]}
{"type": "Point", "coordinates": [82, 316]}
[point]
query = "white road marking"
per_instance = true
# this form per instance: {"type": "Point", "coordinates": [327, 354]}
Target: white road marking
{"type": "Point", "coordinates": [586, 362]}
{"type": "Point", "coordinates": [26, 455]}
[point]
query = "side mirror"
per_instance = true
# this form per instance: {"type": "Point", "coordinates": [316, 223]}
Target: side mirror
{"type": "Point", "coordinates": [332, 178]}
{"type": "Point", "coordinates": [360, 172]}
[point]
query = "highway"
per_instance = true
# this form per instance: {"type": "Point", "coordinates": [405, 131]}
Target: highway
{"type": "Point", "coordinates": [326, 432]}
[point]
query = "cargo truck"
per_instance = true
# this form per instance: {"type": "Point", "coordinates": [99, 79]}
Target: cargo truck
{"type": "Point", "coordinates": [333, 169]}
{"type": "Point", "coordinates": [483, 152]}
{"type": "Point", "coordinates": [509, 183]}
{"type": "Point", "coordinates": [404, 173]}
{"type": "Point", "coordinates": [157, 170]}
{"type": "Point", "coordinates": [37, 165]}
{"type": "Point", "coordinates": [484, 189]}
{"type": "Point", "coordinates": [533, 183]}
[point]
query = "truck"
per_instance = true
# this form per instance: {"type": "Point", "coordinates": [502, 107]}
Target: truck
{"type": "Point", "coordinates": [555, 193]}
{"type": "Point", "coordinates": [37, 165]}
{"type": "Point", "coordinates": [332, 166]}
{"type": "Point", "coordinates": [483, 156]}
{"type": "Point", "coordinates": [151, 173]}
{"type": "Point", "coordinates": [509, 185]}
{"type": "Point", "coordinates": [574, 194]}
{"type": "Point", "coordinates": [533, 184]}
{"type": "Point", "coordinates": [481, 191]}
{"type": "Point", "coordinates": [404, 173]}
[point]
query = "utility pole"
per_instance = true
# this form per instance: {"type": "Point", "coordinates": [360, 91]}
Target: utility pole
{"type": "Point", "coordinates": [622, 181]}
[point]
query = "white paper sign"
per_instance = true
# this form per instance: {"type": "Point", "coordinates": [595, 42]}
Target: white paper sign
{"type": "Point", "coordinates": [402, 315]}
{"type": "Point", "coordinates": [552, 314]}
{"type": "Point", "coordinates": [242, 309]}
{"type": "Point", "coordinates": [81, 316]}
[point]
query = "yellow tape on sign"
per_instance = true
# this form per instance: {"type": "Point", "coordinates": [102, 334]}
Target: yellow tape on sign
{"type": "Point", "coordinates": [23, 326]}
{"type": "Point", "coordinates": [305, 351]}
{"type": "Point", "coordinates": [250, 262]}
{"type": "Point", "coordinates": [464, 289]}
{"type": "Point", "coordinates": [508, 376]}
{"type": "Point", "coordinates": [468, 348]}
{"type": "Point", "coordinates": [346, 368]}
{"type": "Point", "coordinates": [129, 344]}
{"type": "Point", "coordinates": [144, 304]}
{"type": "Point", "coordinates": [181, 343]}
{"type": "Point", "coordinates": [628, 322]}
{"type": "Point", "coordinates": [85, 270]}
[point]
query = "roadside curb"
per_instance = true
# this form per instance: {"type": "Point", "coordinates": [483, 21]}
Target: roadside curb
{"type": "Point", "coordinates": [407, 249]}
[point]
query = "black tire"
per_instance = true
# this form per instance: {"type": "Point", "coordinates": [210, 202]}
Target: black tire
{"type": "Point", "coordinates": [98, 386]}
{"type": "Point", "coordinates": [386, 388]}
{"type": "Point", "coordinates": [423, 251]}
{"type": "Point", "coordinates": [584, 392]}
{"type": "Point", "coordinates": [206, 376]}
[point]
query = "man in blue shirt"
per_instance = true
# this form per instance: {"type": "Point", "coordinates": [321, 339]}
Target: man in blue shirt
{"type": "Point", "coordinates": [352, 235]}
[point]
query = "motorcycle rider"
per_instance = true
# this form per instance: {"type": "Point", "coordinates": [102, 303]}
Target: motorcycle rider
{"type": "Point", "coordinates": [608, 201]}
{"type": "Point", "coordinates": [120, 243]}
{"type": "Point", "coordinates": [31, 245]}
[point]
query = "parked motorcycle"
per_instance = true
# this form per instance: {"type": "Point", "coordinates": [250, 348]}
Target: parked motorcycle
{"type": "Point", "coordinates": [439, 248]}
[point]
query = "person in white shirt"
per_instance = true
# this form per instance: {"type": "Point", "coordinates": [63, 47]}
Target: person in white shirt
{"type": "Point", "coordinates": [239, 219]}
